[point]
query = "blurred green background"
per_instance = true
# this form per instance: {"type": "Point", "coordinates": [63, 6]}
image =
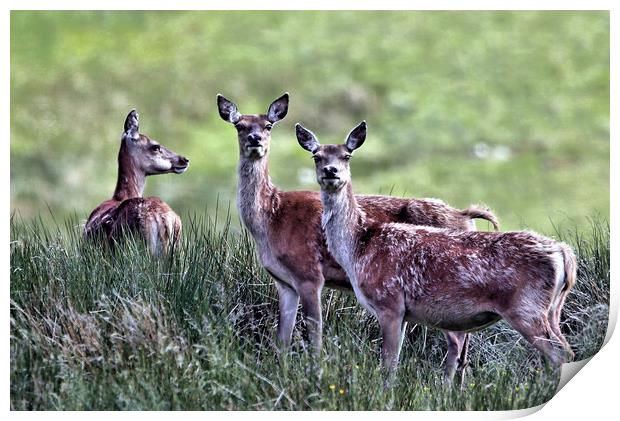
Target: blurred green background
{"type": "Point", "coordinates": [510, 109]}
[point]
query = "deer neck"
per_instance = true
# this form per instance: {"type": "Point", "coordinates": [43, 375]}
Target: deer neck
{"type": "Point", "coordinates": [257, 197]}
{"type": "Point", "coordinates": [342, 222]}
{"type": "Point", "coordinates": [131, 179]}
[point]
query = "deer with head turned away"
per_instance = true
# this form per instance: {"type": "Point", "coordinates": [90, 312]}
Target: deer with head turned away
{"type": "Point", "coordinates": [286, 227]}
{"type": "Point", "coordinates": [149, 218]}
{"type": "Point", "coordinates": [459, 281]}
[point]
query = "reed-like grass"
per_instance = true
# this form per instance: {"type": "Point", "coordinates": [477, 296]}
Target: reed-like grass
{"type": "Point", "coordinates": [92, 329]}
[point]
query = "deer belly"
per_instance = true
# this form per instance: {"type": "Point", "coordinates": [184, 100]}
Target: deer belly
{"type": "Point", "coordinates": [465, 322]}
{"type": "Point", "coordinates": [336, 278]}
{"type": "Point", "coordinates": [342, 284]}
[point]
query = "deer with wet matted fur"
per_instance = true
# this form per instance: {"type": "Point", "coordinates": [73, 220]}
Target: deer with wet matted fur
{"type": "Point", "coordinates": [458, 281]}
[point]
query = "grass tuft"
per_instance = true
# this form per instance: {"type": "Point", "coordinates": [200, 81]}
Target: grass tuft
{"type": "Point", "coordinates": [97, 330]}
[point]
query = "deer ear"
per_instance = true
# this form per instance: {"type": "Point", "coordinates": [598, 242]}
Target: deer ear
{"type": "Point", "coordinates": [228, 110]}
{"type": "Point", "coordinates": [356, 137]}
{"type": "Point", "coordinates": [306, 138]}
{"type": "Point", "coordinates": [131, 125]}
{"type": "Point", "coordinates": [278, 109]}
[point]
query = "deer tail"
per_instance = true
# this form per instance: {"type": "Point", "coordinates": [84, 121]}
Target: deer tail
{"type": "Point", "coordinates": [570, 267]}
{"type": "Point", "coordinates": [479, 212]}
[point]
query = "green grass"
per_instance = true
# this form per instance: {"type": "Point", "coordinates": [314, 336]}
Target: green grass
{"type": "Point", "coordinates": [196, 331]}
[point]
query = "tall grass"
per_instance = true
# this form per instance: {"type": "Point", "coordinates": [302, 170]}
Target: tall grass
{"type": "Point", "coordinates": [195, 330]}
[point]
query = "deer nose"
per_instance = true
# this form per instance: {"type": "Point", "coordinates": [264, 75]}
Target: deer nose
{"type": "Point", "coordinates": [254, 139]}
{"type": "Point", "coordinates": [330, 170]}
{"type": "Point", "coordinates": [183, 160]}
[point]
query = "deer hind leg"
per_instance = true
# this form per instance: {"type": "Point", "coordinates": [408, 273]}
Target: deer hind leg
{"type": "Point", "coordinates": [554, 322]}
{"type": "Point", "coordinates": [456, 358]}
{"type": "Point", "coordinates": [288, 300]}
{"type": "Point", "coordinates": [537, 330]}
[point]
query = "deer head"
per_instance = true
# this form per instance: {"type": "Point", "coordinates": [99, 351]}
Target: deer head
{"type": "Point", "coordinates": [253, 130]}
{"type": "Point", "coordinates": [332, 161]}
{"type": "Point", "coordinates": [146, 154]}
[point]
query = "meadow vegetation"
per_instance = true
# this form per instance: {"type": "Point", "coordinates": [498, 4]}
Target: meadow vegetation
{"type": "Point", "coordinates": [93, 330]}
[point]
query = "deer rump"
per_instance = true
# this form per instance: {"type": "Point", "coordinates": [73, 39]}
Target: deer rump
{"type": "Point", "coordinates": [148, 218]}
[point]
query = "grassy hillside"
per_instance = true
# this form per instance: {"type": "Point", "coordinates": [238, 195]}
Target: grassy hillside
{"type": "Point", "coordinates": [197, 330]}
{"type": "Point", "coordinates": [506, 108]}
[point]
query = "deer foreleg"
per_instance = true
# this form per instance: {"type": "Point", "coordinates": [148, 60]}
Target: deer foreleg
{"type": "Point", "coordinates": [288, 302]}
{"type": "Point", "coordinates": [310, 294]}
{"type": "Point", "coordinates": [392, 331]}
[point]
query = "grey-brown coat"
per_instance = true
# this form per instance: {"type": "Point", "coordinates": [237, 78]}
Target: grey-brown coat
{"type": "Point", "coordinates": [443, 278]}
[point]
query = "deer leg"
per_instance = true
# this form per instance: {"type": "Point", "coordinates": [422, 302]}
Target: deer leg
{"type": "Point", "coordinates": [538, 332]}
{"type": "Point", "coordinates": [451, 357]}
{"type": "Point", "coordinates": [392, 332]}
{"type": "Point", "coordinates": [457, 352]}
{"type": "Point", "coordinates": [310, 295]}
{"type": "Point", "coordinates": [554, 321]}
{"type": "Point", "coordinates": [561, 344]}
{"type": "Point", "coordinates": [288, 300]}
{"type": "Point", "coordinates": [464, 361]}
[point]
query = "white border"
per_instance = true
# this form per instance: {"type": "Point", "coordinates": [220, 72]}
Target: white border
{"type": "Point", "coordinates": [593, 391]}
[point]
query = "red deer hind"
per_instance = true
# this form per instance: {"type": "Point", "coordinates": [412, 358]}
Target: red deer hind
{"type": "Point", "coordinates": [148, 217]}
{"type": "Point", "coordinates": [286, 227]}
{"type": "Point", "coordinates": [455, 281]}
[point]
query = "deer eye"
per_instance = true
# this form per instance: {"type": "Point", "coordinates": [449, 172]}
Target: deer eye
{"type": "Point", "coordinates": [346, 157]}
{"type": "Point", "coordinates": [239, 126]}
{"type": "Point", "coordinates": [315, 158]}
{"type": "Point", "coordinates": [156, 148]}
{"type": "Point", "coordinates": [268, 126]}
